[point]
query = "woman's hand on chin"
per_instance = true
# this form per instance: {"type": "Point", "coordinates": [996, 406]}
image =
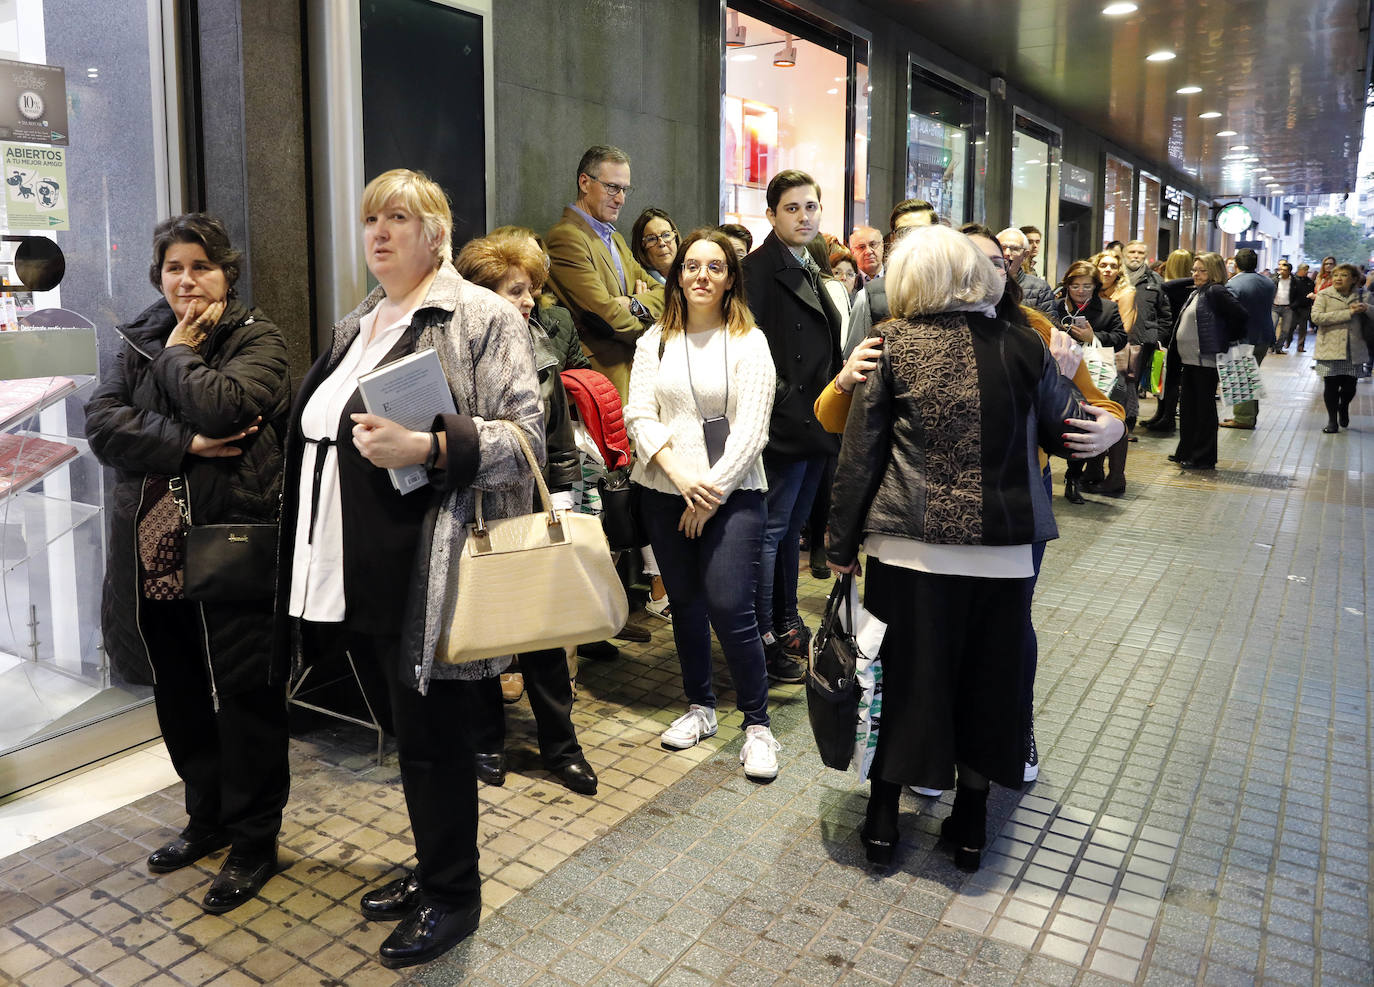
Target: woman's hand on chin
{"type": "Point", "coordinates": [387, 445]}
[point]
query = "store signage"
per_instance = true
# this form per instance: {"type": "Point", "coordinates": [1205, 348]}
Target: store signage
{"type": "Point", "coordinates": [1233, 218]}
{"type": "Point", "coordinates": [35, 187]}
{"type": "Point", "coordinates": [1171, 203]}
{"type": "Point", "coordinates": [33, 103]}
{"type": "Point", "coordinates": [1075, 184]}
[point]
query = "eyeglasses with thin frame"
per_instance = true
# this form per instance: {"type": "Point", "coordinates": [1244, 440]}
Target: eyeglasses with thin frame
{"type": "Point", "coordinates": [715, 268]}
{"type": "Point", "coordinates": [612, 189]}
{"type": "Point", "coordinates": [654, 239]}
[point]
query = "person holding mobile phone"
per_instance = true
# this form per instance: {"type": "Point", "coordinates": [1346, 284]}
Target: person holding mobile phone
{"type": "Point", "coordinates": [701, 399]}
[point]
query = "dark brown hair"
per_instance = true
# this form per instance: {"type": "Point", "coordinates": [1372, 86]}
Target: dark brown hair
{"type": "Point", "coordinates": [199, 228]}
{"type": "Point", "coordinates": [738, 319]}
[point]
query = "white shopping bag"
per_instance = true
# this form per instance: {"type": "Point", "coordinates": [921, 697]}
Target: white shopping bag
{"type": "Point", "coordinates": [868, 633]}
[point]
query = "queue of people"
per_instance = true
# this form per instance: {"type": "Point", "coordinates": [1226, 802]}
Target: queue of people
{"type": "Point", "coordinates": [861, 392]}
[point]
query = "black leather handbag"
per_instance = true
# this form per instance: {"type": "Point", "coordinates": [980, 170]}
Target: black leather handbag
{"type": "Point", "coordinates": [621, 518]}
{"type": "Point", "coordinates": [227, 562]}
{"type": "Point", "coordinates": [832, 688]}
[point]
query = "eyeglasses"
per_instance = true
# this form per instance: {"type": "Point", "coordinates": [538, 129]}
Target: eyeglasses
{"type": "Point", "coordinates": [715, 268]}
{"type": "Point", "coordinates": [654, 239]}
{"type": "Point", "coordinates": [612, 189]}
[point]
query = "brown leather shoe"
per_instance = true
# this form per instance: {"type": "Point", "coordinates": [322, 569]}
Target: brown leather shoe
{"type": "Point", "coordinates": [1232, 423]}
{"type": "Point", "coordinates": [512, 686]}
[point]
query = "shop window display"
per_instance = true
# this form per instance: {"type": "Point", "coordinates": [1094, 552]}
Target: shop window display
{"type": "Point", "coordinates": [1117, 196]}
{"type": "Point", "coordinates": [946, 130]}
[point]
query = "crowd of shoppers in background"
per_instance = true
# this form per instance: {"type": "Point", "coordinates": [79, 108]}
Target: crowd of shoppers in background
{"type": "Point", "coordinates": [859, 391]}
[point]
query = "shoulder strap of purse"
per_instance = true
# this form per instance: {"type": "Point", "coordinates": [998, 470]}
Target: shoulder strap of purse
{"type": "Point", "coordinates": [544, 496]}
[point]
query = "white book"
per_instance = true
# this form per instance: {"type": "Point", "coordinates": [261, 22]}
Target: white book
{"type": "Point", "coordinates": [410, 391]}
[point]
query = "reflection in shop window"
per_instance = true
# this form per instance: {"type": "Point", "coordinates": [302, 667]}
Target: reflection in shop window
{"type": "Point", "coordinates": [1117, 189]}
{"type": "Point", "coordinates": [779, 116]}
{"type": "Point", "coordinates": [946, 128]}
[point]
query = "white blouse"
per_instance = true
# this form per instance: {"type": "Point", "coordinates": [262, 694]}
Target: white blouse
{"type": "Point", "coordinates": [661, 408]}
{"type": "Point", "coordinates": [317, 582]}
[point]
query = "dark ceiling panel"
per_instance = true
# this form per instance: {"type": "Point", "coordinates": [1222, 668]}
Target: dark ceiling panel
{"type": "Point", "coordinates": [1289, 77]}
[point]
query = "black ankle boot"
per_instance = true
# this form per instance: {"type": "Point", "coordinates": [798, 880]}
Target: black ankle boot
{"type": "Point", "coordinates": [1071, 493]}
{"type": "Point", "coordinates": [966, 827]}
{"type": "Point", "coordinates": [879, 831]}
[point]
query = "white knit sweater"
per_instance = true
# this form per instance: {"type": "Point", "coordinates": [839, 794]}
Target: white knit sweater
{"type": "Point", "coordinates": [661, 409]}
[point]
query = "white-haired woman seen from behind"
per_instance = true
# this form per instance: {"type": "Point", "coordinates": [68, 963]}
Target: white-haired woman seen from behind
{"type": "Point", "coordinates": [937, 478]}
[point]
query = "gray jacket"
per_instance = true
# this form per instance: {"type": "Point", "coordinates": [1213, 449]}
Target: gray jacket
{"type": "Point", "coordinates": [1036, 292]}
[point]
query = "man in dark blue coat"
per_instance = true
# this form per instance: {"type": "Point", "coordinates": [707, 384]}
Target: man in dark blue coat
{"type": "Point", "coordinates": [1256, 295]}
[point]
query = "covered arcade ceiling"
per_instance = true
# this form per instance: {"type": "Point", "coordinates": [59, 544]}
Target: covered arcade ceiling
{"type": "Point", "coordinates": [1288, 77]}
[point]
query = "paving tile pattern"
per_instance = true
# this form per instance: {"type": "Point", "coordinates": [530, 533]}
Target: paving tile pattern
{"type": "Point", "coordinates": [1202, 813]}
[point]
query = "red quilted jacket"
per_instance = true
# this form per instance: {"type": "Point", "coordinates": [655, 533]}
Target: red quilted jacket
{"type": "Point", "coordinates": [598, 406]}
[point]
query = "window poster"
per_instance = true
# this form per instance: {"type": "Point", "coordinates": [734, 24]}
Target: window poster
{"type": "Point", "coordinates": [35, 187]}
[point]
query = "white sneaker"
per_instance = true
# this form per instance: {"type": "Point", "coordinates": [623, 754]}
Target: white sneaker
{"type": "Point", "coordinates": [695, 724]}
{"type": "Point", "coordinates": [760, 753]}
{"type": "Point", "coordinates": [660, 607]}
{"type": "Point", "coordinates": [930, 793]}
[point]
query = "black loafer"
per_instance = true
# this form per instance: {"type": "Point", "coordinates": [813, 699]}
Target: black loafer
{"type": "Point", "coordinates": [427, 933]}
{"type": "Point", "coordinates": [598, 651]}
{"type": "Point", "coordinates": [182, 852]}
{"type": "Point", "coordinates": [579, 777]}
{"type": "Point", "coordinates": [1071, 493]}
{"type": "Point", "coordinates": [394, 900]}
{"type": "Point", "coordinates": [491, 769]}
{"type": "Point", "coordinates": [239, 880]}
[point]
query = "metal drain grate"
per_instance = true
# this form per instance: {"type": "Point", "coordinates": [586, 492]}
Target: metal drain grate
{"type": "Point", "coordinates": [1069, 884]}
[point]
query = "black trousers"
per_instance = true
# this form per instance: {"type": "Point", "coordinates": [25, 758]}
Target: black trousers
{"type": "Point", "coordinates": [434, 748]}
{"type": "Point", "coordinates": [1197, 416]}
{"type": "Point", "coordinates": [551, 699]}
{"type": "Point", "coordinates": [234, 759]}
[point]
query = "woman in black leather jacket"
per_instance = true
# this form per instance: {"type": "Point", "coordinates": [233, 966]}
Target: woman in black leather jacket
{"type": "Point", "coordinates": [937, 478]}
{"type": "Point", "coordinates": [198, 401]}
{"type": "Point", "coordinates": [1084, 314]}
{"type": "Point", "coordinates": [513, 266]}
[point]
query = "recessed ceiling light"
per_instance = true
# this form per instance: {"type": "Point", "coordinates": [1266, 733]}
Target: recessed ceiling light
{"type": "Point", "coordinates": [1240, 147]}
{"type": "Point", "coordinates": [1160, 56]}
{"type": "Point", "coordinates": [1209, 115]}
{"type": "Point", "coordinates": [1188, 90]}
{"type": "Point", "coordinates": [1226, 133]}
{"type": "Point", "coordinates": [1119, 9]}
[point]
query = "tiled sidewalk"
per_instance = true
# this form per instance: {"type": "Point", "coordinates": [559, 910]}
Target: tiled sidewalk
{"type": "Point", "coordinates": [1202, 814]}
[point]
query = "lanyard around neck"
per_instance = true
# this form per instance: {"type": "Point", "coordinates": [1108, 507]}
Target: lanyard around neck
{"type": "Point", "coordinates": [687, 352]}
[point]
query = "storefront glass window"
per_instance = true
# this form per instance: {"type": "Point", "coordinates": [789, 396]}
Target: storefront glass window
{"type": "Point", "coordinates": [946, 130]}
{"type": "Point", "coordinates": [1035, 181]}
{"type": "Point", "coordinates": [1117, 188]}
{"type": "Point", "coordinates": [105, 115]}
{"type": "Point", "coordinates": [779, 116]}
{"type": "Point", "coordinates": [1187, 222]}
{"type": "Point", "coordinates": [1147, 219]}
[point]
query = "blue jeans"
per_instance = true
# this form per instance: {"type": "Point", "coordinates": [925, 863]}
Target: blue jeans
{"type": "Point", "coordinates": [1030, 657]}
{"type": "Point", "coordinates": [710, 581]}
{"type": "Point", "coordinates": [792, 485]}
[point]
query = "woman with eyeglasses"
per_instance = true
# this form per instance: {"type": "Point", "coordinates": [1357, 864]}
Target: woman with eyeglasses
{"type": "Point", "coordinates": [654, 242]}
{"type": "Point", "coordinates": [1211, 320]}
{"type": "Point", "coordinates": [1085, 314]}
{"type": "Point", "coordinates": [701, 397]}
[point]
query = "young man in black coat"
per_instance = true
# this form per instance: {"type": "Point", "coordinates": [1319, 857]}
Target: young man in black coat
{"type": "Point", "coordinates": [803, 330]}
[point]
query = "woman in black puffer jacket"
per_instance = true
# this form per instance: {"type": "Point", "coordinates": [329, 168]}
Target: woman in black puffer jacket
{"type": "Point", "coordinates": [199, 395]}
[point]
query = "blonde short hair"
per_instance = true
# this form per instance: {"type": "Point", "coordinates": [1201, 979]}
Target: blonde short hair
{"type": "Point", "coordinates": [934, 269]}
{"type": "Point", "coordinates": [418, 194]}
{"type": "Point", "coordinates": [1214, 265]}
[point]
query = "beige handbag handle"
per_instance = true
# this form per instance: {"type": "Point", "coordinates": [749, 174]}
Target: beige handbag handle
{"type": "Point", "coordinates": [544, 498]}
